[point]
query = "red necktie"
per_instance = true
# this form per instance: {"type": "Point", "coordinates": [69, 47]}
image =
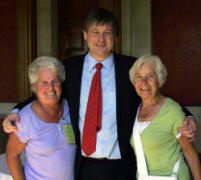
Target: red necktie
{"type": "Point", "coordinates": [93, 115]}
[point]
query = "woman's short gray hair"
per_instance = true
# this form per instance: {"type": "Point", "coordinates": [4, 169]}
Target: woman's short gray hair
{"type": "Point", "coordinates": [159, 68]}
{"type": "Point", "coordinates": [45, 62]}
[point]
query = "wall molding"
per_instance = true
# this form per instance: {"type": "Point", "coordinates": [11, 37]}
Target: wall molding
{"type": "Point", "coordinates": [136, 36]}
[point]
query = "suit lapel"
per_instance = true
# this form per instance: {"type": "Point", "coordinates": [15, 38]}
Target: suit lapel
{"type": "Point", "coordinates": [118, 88]}
{"type": "Point", "coordinates": [76, 81]}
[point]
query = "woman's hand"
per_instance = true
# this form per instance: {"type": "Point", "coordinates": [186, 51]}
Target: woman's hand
{"type": "Point", "coordinates": [10, 123]}
{"type": "Point", "coordinates": [189, 129]}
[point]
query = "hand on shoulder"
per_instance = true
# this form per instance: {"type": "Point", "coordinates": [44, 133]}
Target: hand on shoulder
{"type": "Point", "coordinates": [189, 128]}
{"type": "Point", "coordinates": [9, 123]}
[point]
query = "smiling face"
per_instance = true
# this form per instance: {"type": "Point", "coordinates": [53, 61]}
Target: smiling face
{"type": "Point", "coordinates": [100, 40]}
{"type": "Point", "coordinates": [48, 86]}
{"type": "Point", "coordinates": [146, 82]}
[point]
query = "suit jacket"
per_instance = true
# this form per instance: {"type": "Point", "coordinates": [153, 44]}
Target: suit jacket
{"type": "Point", "coordinates": [127, 102]}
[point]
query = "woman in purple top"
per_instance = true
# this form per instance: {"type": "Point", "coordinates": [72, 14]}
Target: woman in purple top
{"type": "Point", "coordinates": [45, 130]}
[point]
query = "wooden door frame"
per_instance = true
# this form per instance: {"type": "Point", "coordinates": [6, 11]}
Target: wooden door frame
{"type": "Point", "coordinates": [26, 44]}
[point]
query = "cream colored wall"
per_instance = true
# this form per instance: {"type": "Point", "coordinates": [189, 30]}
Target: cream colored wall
{"type": "Point", "coordinates": [47, 28]}
{"type": "Point", "coordinates": [6, 107]}
{"type": "Point", "coordinates": [136, 27]}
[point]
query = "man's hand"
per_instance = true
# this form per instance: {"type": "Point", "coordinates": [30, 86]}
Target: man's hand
{"type": "Point", "coordinates": [189, 128]}
{"type": "Point", "coordinates": [10, 123]}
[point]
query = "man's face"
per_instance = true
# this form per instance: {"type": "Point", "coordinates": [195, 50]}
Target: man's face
{"type": "Point", "coordinates": [100, 40]}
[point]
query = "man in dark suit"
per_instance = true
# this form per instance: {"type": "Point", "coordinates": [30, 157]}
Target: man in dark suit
{"type": "Point", "coordinates": [113, 157]}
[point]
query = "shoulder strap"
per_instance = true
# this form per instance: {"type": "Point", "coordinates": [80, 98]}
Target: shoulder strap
{"type": "Point", "coordinates": [141, 162]}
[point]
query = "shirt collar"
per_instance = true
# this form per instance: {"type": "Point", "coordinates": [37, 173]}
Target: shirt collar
{"type": "Point", "coordinates": [107, 63]}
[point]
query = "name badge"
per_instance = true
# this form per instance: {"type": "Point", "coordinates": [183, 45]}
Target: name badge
{"type": "Point", "coordinates": [68, 130]}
